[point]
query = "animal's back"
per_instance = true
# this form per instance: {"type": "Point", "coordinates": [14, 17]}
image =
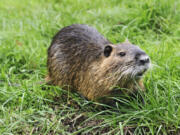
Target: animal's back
{"type": "Point", "coordinates": [72, 50]}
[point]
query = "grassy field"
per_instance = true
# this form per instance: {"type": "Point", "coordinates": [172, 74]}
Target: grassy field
{"type": "Point", "coordinates": [28, 106]}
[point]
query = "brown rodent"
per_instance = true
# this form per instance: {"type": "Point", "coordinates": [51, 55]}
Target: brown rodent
{"type": "Point", "coordinates": [80, 58]}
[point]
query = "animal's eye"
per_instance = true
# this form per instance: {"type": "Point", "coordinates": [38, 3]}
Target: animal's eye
{"type": "Point", "coordinates": [122, 54]}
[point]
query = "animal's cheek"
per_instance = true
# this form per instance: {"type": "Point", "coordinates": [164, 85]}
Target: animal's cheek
{"type": "Point", "coordinates": [121, 61]}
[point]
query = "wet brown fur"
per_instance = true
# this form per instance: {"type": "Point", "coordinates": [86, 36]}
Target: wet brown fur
{"type": "Point", "coordinates": [76, 61]}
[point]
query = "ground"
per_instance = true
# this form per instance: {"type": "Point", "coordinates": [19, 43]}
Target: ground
{"type": "Point", "coordinates": [29, 106]}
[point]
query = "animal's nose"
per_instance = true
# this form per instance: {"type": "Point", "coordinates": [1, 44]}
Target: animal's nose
{"type": "Point", "coordinates": [142, 58]}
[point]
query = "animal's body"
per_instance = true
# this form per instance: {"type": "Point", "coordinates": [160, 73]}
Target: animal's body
{"type": "Point", "coordinates": [80, 58]}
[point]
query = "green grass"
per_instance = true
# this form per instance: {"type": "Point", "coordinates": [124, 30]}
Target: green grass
{"type": "Point", "coordinates": [30, 107]}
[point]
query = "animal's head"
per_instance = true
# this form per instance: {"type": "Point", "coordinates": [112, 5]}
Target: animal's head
{"type": "Point", "coordinates": [126, 61]}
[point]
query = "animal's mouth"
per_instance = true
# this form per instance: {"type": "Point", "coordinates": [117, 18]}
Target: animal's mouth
{"type": "Point", "coordinates": [140, 74]}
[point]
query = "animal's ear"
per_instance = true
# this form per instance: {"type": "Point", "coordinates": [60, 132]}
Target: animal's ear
{"type": "Point", "coordinates": [107, 50]}
{"type": "Point", "coordinates": [126, 42]}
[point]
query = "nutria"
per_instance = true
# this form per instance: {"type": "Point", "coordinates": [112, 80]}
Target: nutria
{"type": "Point", "coordinates": [82, 59]}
